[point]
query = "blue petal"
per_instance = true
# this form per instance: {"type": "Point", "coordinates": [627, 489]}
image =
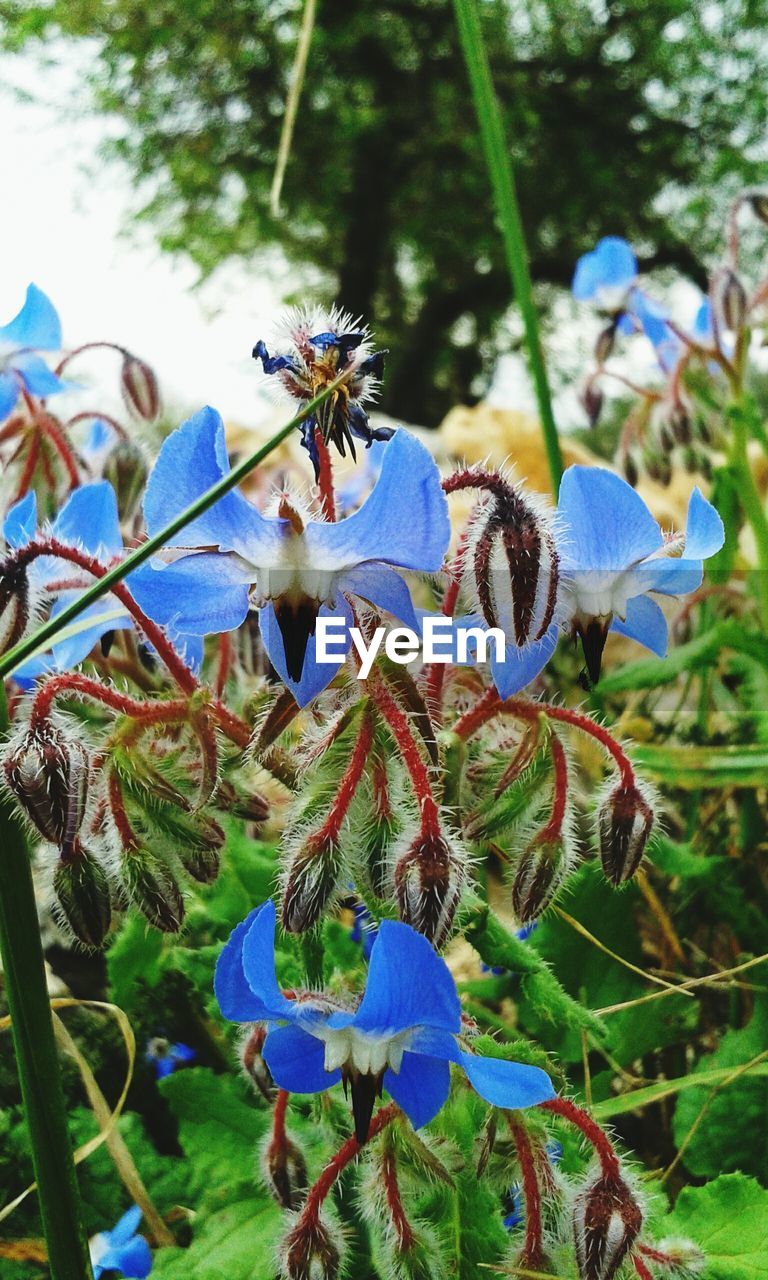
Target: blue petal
{"type": "Point", "coordinates": [259, 963]}
{"type": "Point", "coordinates": [198, 595]}
{"type": "Point", "coordinates": [652, 319]}
{"type": "Point", "coordinates": [383, 588]}
{"type": "Point", "coordinates": [164, 1067]}
{"type": "Point", "coordinates": [99, 436]}
{"type": "Point", "coordinates": [38, 378]}
{"type": "Point", "coordinates": [421, 1087]}
{"type": "Point", "coordinates": [132, 1260]}
{"type": "Point", "coordinates": [89, 518]}
{"type": "Point", "coordinates": [702, 324]}
{"type": "Point", "coordinates": [183, 1053]}
{"type": "Point", "coordinates": [191, 649]}
{"type": "Point", "coordinates": [511, 1085]}
{"type": "Point", "coordinates": [403, 521]}
{"type": "Point", "coordinates": [9, 393]}
{"type": "Point", "coordinates": [522, 665]}
{"type": "Point", "coordinates": [611, 264]}
{"type": "Point", "coordinates": [645, 623]}
{"type": "Point", "coordinates": [191, 460]}
{"type": "Point", "coordinates": [296, 1060]}
{"type": "Point", "coordinates": [20, 524]}
{"type": "Point", "coordinates": [238, 1001]}
{"type": "Point", "coordinates": [126, 1227]}
{"type": "Point", "coordinates": [604, 523]}
{"type": "Point", "coordinates": [409, 985]}
{"type": "Point", "coordinates": [315, 676]}
{"type": "Point", "coordinates": [36, 325]}
{"type": "Point", "coordinates": [704, 532]}
{"type": "Point", "coordinates": [106, 615]}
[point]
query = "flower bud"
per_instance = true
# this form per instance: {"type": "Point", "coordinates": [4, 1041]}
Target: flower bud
{"type": "Point", "coordinates": [624, 823]}
{"type": "Point", "coordinates": [47, 771]}
{"type": "Point", "coordinates": [729, 299]}
{"type": "Point", "coordinates": [630, 468]}
{"type": "Point", "coordinates": [606, 1222]}
{"type": "Point", "coordinates": [309, 1251]}
{"type": "Point", "coordinates": [606, 340]}
{"type": "Point", "coordinates": [682, 1258]}
{"type": "Point", "coordinates": [309, 881]}
{"type": "Point", "coordinates": [428, 881]}
{"type": "Point", "coordinates": [758, 202]}
{"type": "Point", "coordinates": [83, 898]}
{"type": "Point", "coordinates": [254, 1065]}
{"type": "Point", "coordinates": [680, 423]}
{"type": "Point", "coordinates": [153, 889]}
{"type": "Point", "coordinates": [126, 470]}
{"type": "Point", "coordinates": [514, 563]}
{"type": "Point", "coordinates": [203, 865]}
{"type": "Point", "coordinates": [541, 871]}
{"type": "Point", "coordinates": [657, 466]}
{"type": "Point", "coordinates": [592, 400]}
{"type": "Point", "coordinates": [14, 603]}
{"type": "Point", "coordinates": [139, 387]}
{"type": "Point", "coordinates": [285, 1171]}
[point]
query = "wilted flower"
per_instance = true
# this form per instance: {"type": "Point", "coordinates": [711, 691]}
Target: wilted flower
{"type": "Point", "coordinates": [36, 328]}
{"type": "Point", "coordinates": [122, 1250]}
{"type": "Point", "coordinates": [292, 567]}
{"type": "Point", "coordinates": [320, 348]}
{"type": "Point", "coordinates": [401, 1038]}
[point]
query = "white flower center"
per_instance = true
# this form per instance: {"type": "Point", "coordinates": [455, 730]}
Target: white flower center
{"type": "Point", "coordinates": [363, 1051]}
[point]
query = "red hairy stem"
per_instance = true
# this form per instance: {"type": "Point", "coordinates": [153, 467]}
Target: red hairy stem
{"type": "Point", "coordinates": [640, 1268]}
{"type": "Point", "coordinates": [119, 815]}
{"type": "Point", "coordinates": [348, 785]}
{"type": "Point", "coordinates": [28, 470]}
{"type": "Point", "coordinates": [89, 346]}
{"type": "Point", "coordinates": [476, 478]}
{"type": "Point", "coordinates": [491, 704]}
{"type": "Point", "coordinates": [437, 671]}
{"type": "Point", "coordinates": [655, 1255]}
{"type": "Point", "coordinates": [49, 428]}
{"type": "Point", "coordinates": [90, 415]}
{"type": "Point", "coordinates": [604, 1149]}
{"type": "Point", "coordinates": [403, 1230]}
{"type": "Point", "coordinates": [225, 662]}
{"type": "Point", "coordinates": [533, 1253]}
{"type": "Point", "coordinates": [12, 427]}
{"type": "Point", "coordinates": [325, 478]}
{"type": "Point", "coordinates": [344, 1156]}
{"type": "Point", "coordinates": [155, 634]}
{"type": "Point", "coordinates": [559, 790]}
{"type": "Point", "coordinates": [72, 682]}
{"type": "Point", "coordinates": [279, 1135]}
{"type": "Point", "coordinates": [381, 800]}
{"type": "Point", "coordinates": [408, 748]}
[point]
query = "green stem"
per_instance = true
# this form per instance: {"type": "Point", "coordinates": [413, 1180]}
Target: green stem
{"type": "Point", "coordinates": [508, 210]}
{"type": "Point", "coordinates": [53, 626]}
{"type": "Point", "coordinates": [33, 1041]}
{"type": "Point", "coordinates": [751, 505]}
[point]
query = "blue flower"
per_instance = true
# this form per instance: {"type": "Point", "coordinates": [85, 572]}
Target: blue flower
{"type": "Point", "coordinates": [35, 328]}
{"type": "Point", "coordinates": [122, 1250]}
{"type": "Point", "coordinates": [89, 521]}
{"type": "Point", "coordinates": [363, 929]}
{"type": "Point", "coordinates": [292, 567]}
{"type": "Point", "coordinates": [401, 1037]}
{"type": "Point", "coordinates": [606, 274]}
{"type": "Point", "coordinates": [613, 560]}
{"type": "Point", "coordinates": [164, 1057]}
{"type": "Point", "coordinates": [321, 347]}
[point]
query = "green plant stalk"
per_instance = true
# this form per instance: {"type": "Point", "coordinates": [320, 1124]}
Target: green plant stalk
{"type": "Point", "coordinates": [508, 210]}
{"type": "Point", "coordinates": [50, 629]}
{"type": "Point", "coordinates": [35, 1048]}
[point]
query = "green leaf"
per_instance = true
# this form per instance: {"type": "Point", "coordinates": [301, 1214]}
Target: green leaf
{"type": "Point", "coordinates": [695, 768]}
{"type": "Point", "coordinates": [636, 1099]}
{"type": "Point", "coordinates": [728, 1220]}
{"type": "Point", "coordinates": [219, 1127]}
{"type": "Point", "coordinates": [237, 1242]}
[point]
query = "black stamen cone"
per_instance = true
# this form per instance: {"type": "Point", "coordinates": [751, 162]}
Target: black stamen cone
{"type": "Point", "coordinates": [365, 1090]}
{"type": "Point", "coordinates": [297, 621]}
{"type": "Point", "coordinates": [593, 638]}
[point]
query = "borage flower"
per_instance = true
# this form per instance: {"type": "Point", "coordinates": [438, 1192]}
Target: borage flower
{"type": "Point", "coordinates": [164, 1057]}
{"type": "Point", "coordinates": [401, 1037]}
{"type": "Point", "coordinates": [36, 328]}
{"type": "Point", "coordinates": [88, 522]}
{"type": "Point", "coordinates": [321, 346]}
{"type": "Point", "coordinates": [607, 276]}
{"type": "Point", "coordinates": [122, 1251]}
{"type": "Point", "coordinates": [293, 567]}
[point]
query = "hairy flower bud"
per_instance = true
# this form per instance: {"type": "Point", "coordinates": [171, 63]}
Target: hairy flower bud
{"type": "Point", "coordinates": [428, 881]}
{"type": "Point", "coordinates": [630, 468]}
{"type": "Point", "coordinates": [309, 881]}
{"type": "Point", "coordinates": [682, 1259]}
{"type": "Point", "coordinates": [539, 875]}
{"type": "Point", "coordinates": [606, 1223]}
{"type": "Point", "coordinates": [729, 299]}
{"type": "Point", "coordinates": [254, 1065]}
{"type": "Point", "coordinates": [592, 400]}
{"type": "Point", "coordinates": [514, 563]}
{"type": "Point", "coordinates": [309, 1251]}
{"type": "Point", "coordinates": [14, 603]}
{"type": "Point", "coordinates": [153, 889]}
{"type": "Point", "coordinates": [126, 470]}
{"type": "Point", "coordinates": [83, 898]}
{"type": "Point", "coordinates": [285, 1171]}
{"type": "Point", "coordinates": [680, 423]}
{"type": "Point", "coordinates": [139, 387]}
{"type": "Point", "coordinates": [47, 769]}
{"type": "Point", "coordinates": [624, 823]}
{"type": "Point", "coordinates": [606, 340]}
